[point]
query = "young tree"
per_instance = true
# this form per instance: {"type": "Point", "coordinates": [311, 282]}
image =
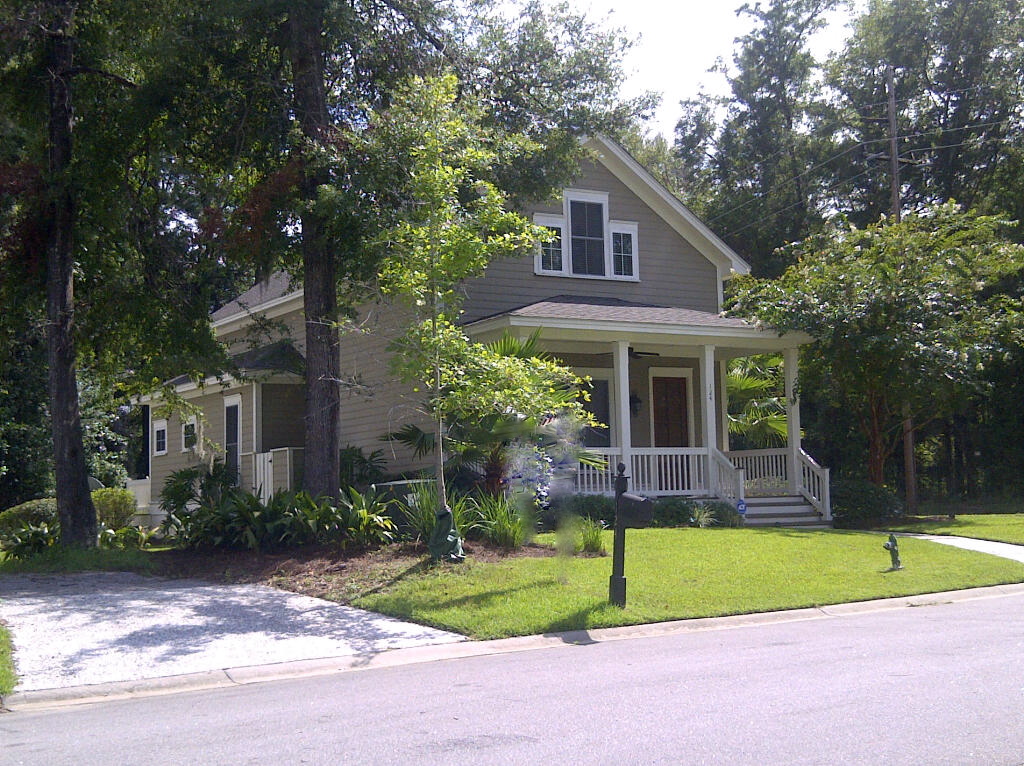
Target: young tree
{"type": "Point", "coordinates": [454, 222]}
{"type": "Point", "coordinates": [904, 315]}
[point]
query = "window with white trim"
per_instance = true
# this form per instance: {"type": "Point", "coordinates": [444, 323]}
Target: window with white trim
{"type": "Point", "coordinates": [189, 435]}
{"type": "Point", "coordinates": [586, 242]}
{"type": "Point", "coordinates": [159, 437]}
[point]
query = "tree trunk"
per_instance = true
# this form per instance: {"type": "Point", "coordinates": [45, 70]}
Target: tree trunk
{"type": "Point", "coordinates": [323, 400]}
{"type": "Point", "coordinates": [74, 502]}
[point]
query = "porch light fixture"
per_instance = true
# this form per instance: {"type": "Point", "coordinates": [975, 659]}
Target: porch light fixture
{"type": "Point", "coordinates": [635, 403]}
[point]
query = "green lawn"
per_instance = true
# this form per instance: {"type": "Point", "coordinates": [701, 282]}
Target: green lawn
{"type": "Point", "coordinates": [678, 574]}
{"type": "Point", "coordinates": [7, 674]}
{"type": "Point", "coordinates": [1006, 528]}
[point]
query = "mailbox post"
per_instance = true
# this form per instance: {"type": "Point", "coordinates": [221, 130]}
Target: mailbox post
{"type": "Point", "coordinates": [630, 511]}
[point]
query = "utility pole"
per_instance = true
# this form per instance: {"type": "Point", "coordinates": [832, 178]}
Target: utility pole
{"type": "Point", "coordinates": [909, 464]}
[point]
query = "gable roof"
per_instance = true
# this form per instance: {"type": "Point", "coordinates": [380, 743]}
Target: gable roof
{"type": "Point", "coordinates": [569, 307]}
{"type": "Point", "coordinates": [278, 289]}
{"type": "Point", "coordinates": [639, 180]}
{"type": "Point", "coordinates": [277, 285]}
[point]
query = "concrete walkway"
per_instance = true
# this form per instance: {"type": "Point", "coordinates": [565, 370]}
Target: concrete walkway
{"type": "Point", "coordinates": [101, 627]}
{"type": "Point", "coordinates": [1004, 550]}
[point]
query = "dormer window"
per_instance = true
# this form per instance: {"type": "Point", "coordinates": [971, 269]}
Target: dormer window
{"type": "Point", "coordinates": [586, 242]}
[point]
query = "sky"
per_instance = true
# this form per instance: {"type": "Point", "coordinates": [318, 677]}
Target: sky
{"type": "Point", "coordinates": [679, 40]}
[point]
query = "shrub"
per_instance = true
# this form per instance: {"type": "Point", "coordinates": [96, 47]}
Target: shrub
{"type": "Point", "coordinates": [673, 512]}
{"type": "Point", "coordinates": [596, 507]}
{"type": "Point", "coordinates": [859, 504]}
{"type": "Point", "coordinates": [31, 513]}
{"type": "Point", "coordinates": [114, 507]}
{"type": "Point", "coordinates": [366, 520]}
{"type": "Point", "coordinates": [498, 521]}
{"type": "Point", "coordinates": [124, 538]}
{"type": "Point", "coordinates": [702, 516]}
{"type": "Point", "coordinates": [196, 484]}
{"type": "Point", "coordinates": [591, 539]}
{"type": "Point", "coordinates": [725, 514]}
{"type": "Point", "coordinates": [30, 540]}
{"type": "Point", "coordinates": [360, 470]}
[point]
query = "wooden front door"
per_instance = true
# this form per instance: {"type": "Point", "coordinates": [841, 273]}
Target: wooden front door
{"type": "Point", "coordinates": [668, 409]}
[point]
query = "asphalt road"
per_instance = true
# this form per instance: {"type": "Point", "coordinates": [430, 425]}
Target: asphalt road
{"type": "Point", "coordinates": [935, 684]}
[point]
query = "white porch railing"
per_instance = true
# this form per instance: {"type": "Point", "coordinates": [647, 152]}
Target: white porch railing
{"type": "Point", "coordinates": [654, 471]}
{"type": "Point", "coordinates": [599, 481]}
{"type": "Point", "coordinates": [670, 471]}
{"type": "Point", "coordinates": [768, 474]}
{"type": "Point", "coordinates": [658, 471]}
{"type": "Point", "coordinates": [730, 481]}
{"type": "Point", "coordinates": [815, 485]}
{"type": "Point", "coordinates": [767, 470]}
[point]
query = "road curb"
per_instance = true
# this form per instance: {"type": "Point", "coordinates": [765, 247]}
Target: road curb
{"type": "Point", "coordinates": [241, 676]}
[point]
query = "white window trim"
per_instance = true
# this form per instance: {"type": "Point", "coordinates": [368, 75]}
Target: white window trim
{"type": "Point", "coordinates": [630, 228]}
{"type": "Point", "coordinates": [672, 372]}
{"type": "Point", "coordinates": [608, 374]}
{"type": "Point", "coordinates": [562, 224]}
{"type": "Point", "coordinates": [184, 424]}
{"type": "Point", "coordinates": [551, 222]}
{"type": "Point", "coordinates": [159, 425]}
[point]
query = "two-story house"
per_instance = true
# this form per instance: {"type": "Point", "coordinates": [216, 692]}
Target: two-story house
{"type": "Point", "coordinates": [628, 292]}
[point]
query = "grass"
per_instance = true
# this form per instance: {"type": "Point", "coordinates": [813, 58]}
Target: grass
{"type": "Point", "coordinates": [7, 675]}
{"type": "Point", "coordinates": [59, 560]}
{"type": "Point", "coordinates": [678, 574]}
{"type": "Point", "coordinates": [1005, 528]}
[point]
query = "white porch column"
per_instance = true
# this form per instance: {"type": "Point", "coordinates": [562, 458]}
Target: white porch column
{"type": "Point", "coordinates": [709, 411]}
{"type": "Point", "coordinates": [620, 362]}
{"type": "Point", "coordinates": [723, 415]}
{"type": "Point", "coordinates": [790, 361]}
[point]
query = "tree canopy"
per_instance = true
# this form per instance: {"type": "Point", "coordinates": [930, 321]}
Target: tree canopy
{"type": "Point", "coordinates": [902, 313]}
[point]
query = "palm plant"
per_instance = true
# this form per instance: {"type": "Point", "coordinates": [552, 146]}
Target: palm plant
{"type": "Point", "coordinates": [482, 446]}
{"type": "Point", "coordinates": [757, 405]}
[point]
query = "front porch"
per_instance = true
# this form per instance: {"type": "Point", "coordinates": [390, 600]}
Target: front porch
{"type": "Point", "coordinates": [688, 471]}
{"type": "Point", "coordinates": [659, 383]}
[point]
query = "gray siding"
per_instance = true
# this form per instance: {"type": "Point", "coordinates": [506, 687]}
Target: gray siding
{"type": "Point", "coordinates": [288, 326]}
{"type": "Point", "coordinates": [212, 404]}
{"type": "Point", "coordinates": [376, 402]}
{"type": "Point", "coordinates": [672, 272]}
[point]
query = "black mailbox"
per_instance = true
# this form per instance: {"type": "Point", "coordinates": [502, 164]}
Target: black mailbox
{"type": "Point", "coordinates": [633, 511]}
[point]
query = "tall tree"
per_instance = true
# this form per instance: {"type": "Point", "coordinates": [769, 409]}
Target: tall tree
{"type": "Point", "coordinates": [309, 201]}
{"type": "Point", "coordinates": [81, 232]}
{"type": "Point", "coordinates": [454, 221]}
{"type": "Point", "coordinates": [959, 93]}
{"type": "Point", "coordinates": [757, 165]}
{"type": "Point", "coordinates": [906, 315]}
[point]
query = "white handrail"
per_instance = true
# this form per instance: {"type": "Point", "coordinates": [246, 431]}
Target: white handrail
{"type": "Point", "coordinates": [731, 480]}
{"type": "Point", "coordinates": [815, 485]}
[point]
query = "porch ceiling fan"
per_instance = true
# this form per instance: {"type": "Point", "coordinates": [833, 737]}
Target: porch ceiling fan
{"type": "Point", "coordinates": [634, 354]}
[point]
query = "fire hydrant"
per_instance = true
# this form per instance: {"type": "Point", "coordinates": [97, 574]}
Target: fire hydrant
{"type": "Point", "coordinates": [894, 552]}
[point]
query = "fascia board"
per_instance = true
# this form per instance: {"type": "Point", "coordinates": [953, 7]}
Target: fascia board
{"type": "Point", "coordinates": [612, 330]}
{"type": "Point", "coordinates": [671, 210]}
{"type": "Point", "coordinates": [270, 309]}
{"type": "Point", "coordinates": [213, 384]}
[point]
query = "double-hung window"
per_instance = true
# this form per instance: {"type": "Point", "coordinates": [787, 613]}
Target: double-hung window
{"type": "Point", "coordinates": [189, 435]}
{"type": "Point", "coordinates": [159, 437]}
{"type": "Point", "coordinates": [586, 242]}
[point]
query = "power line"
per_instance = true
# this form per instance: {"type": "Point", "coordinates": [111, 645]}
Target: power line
{"type": "Point", "coordinates": [919, 134]}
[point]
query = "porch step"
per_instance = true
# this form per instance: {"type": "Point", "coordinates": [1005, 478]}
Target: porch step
{"type": "Point", "coordinates": [783, 511]}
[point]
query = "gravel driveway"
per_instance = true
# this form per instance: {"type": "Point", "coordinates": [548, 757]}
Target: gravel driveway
{"type": "Point", "coordinates": [101, 627]}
